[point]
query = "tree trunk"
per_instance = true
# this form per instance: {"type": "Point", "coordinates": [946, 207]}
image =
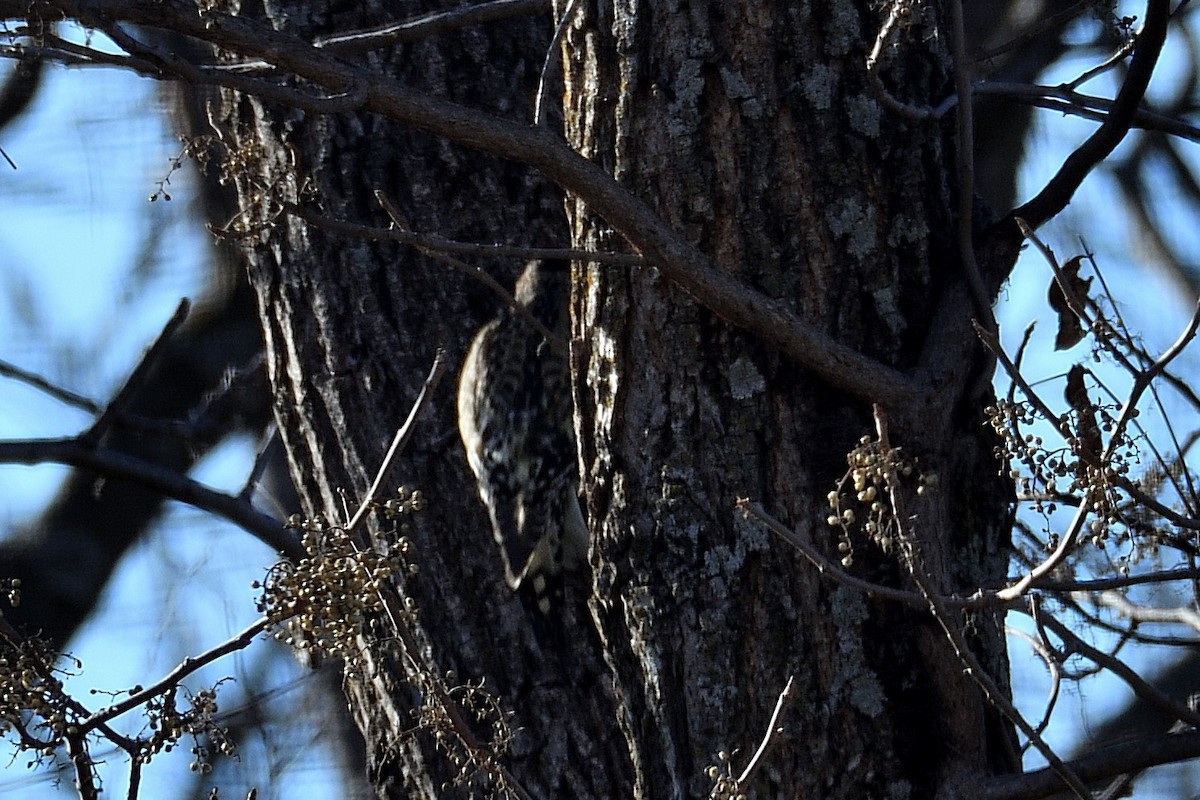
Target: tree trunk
{"type": "Point", "coordinates": [753, 131]}
{"type": "Point", "coordinates": [351, 329]}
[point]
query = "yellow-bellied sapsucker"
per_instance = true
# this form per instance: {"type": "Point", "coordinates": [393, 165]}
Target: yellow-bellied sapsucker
{"type": "Point", "coordinates": [515, 417]}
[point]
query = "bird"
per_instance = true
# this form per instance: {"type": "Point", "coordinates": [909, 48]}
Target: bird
{"type": "Point", "coordinates": [516, 422]}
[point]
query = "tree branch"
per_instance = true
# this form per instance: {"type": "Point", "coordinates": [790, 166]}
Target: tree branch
{"type": "Point", "coordinates": [351, 86]}
{"type": "Point", "coordinates": [438, 243]}
{"type": "Point", "coordinates": [964, 160]}
{"type": "Point", "coordinates": [785, 699]}
{"type": "Point", "coordinates": [136, 379]}
{"type": "Point", "coordinates": [186, 667]}
{"type": "Point", "coordinates": [1067, 101]}
{"type": "Point", "coordinates": [840, 576]}
{"type": "Point", "coordinates": [1058, 192]}
{"type": "Point", "coordinates": [1105, 762]}
{"type": "Point", "coordinates": [65, 396]}
{"type": "Point", "coordinates": [1136, 683]}
{"type": "Point", "coordinates": [112, 464]}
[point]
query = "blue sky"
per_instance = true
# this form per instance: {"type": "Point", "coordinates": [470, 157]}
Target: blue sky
{"type": "Point", "coordinates": [76, 307]}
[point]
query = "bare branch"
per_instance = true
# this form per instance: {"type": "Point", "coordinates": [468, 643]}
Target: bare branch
{"type": "Point", "coordinates": [1124, 581]}
{"type": "Point", "coordinates": [136, 378]}
{"type": "Point", "coordinates": [1109, 63]}
{"type": "Point", "coordinates": [555, 341]}
{"type": "Point", "coordinates": [1100, 764]}
{"type": "Point", "coordinates": [964, 159]}
{"type": "Point", "coordinates": [1058, 192]}
{"type": "Point", "coordinates": [1067, 101]}
{"type": "Point", "coordinates": [896, 13]}
{"type": "Point", "coordinates": [1135, 682]}
{"type": "Point", "coordinates": [785, 699]}
{"type": "Point", "coordinates": [1132, 611]}
{"type": "Point", "coordinates": [436, 242]}
{"type": "Point", "coordinates": [85, 782]}
{"type": "Point", "coordinates": [824, 565]}
{"type": "Point", "coordinates": [57, 392]}
{"type": "Point", "coordinates": [1051, 22]}
{"type": "Point", "coordinates": [186, 667]}
{"type": "Point", "coordinates": [349, 86]}
{"type": "Point", "coordinates": [172, 484]}
{"type": "Point", "coordinates": [804, 544]}
{"type": "Point", "coordinates": [552, 63]}
{"type": "Point", "coordinates": [1052, 667]}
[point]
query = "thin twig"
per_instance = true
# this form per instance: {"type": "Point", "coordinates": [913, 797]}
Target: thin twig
{"type": "Point", "coordinates": [1066, 101]}
{"type": "Point", "coordinates": [1111, 62]}
{"type": "Point", "coordinates": [1118, 602]}
{"type": "Point", "coordinates": [122, 419]}
{"type": "Point", "coordinates": [1075, 304]}
{"type": "Point", "coordinates": [1047, 657]}
{"type": "Point", "coordinates": [435, 242]}
{"type": "Point", "coordinates": [402, 436]}
{"type": "Point", "coordinates": [1140, 687]}
{"type": "Point", "coordinates": [557, 342]}
{"type": "Point", "coordinates": [553, 59]}
{"type": "Point", "coordinates": [1122, 582]}
{"type": "Point", "coordinates": [840, 576]}
{"type": "Point", "coordinates": [1051, 22]}
{"type": "Point", "coordinates": [262, 462]}
{"type": "Point", "coordinates": [41, 384]}
{"type": "Point", "coordinates": [785, 699]}
{"type": "Point", "coordinates": [964, 159]}
{"type": "Point", "coordinates": [346, 96]}
{"type": "Point", "coordinates": [426, 25]}
{"type": "Point", "coordinates": [186, 667]}
{"type": "Point", "coordinates": [824, 565]}
{"type": "Point", "coordinates": [874, 59]}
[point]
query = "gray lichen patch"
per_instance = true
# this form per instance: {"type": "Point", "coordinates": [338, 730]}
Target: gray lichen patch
{"type": "Point", "coordinates": [854, 222]}
{"type": "Point", "coordinates": [818, 86]}
{"type": "Point", "coordinates": [864, 114]}
{"type": "Point", "coordinates": [856, 682]}
{"type": "Point", "coordinates": [745, 380]}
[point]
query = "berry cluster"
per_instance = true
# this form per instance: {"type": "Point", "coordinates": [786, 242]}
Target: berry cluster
{"type": "Point", "coordinates": [330, 597]}
{"type": "Point", "coordinates": [860, 500]}
{"type": "Point", "coordinates": [169, 723]}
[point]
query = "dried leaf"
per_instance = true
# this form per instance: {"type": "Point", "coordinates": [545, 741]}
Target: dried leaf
{"type": "Point", "coordinates": [1070, 326]}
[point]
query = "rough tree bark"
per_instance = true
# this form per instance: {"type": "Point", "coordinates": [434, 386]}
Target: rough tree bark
{"type": "Point", "coordinates": [351, 329]}
{"type": "Point", "coordinates": [753, 131]}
